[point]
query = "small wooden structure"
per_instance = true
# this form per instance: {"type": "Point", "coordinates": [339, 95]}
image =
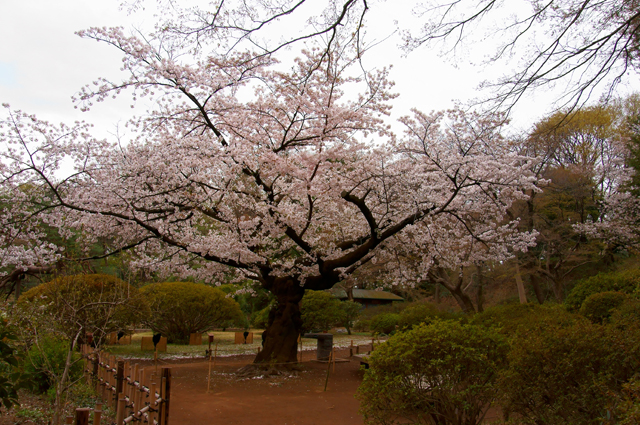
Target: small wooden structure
{"type": "Point", "coordinates": [241, 338]}
{"type": "Point", "coordinates": [147, 344]}
{"type": "Point", "coordinates": [195, 339]}
{"type": "Point", "coordinates": [112, 339]}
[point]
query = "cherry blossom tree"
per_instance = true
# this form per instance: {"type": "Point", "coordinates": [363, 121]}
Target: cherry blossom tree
{"type": "Point", "coordinates": [290, 178]}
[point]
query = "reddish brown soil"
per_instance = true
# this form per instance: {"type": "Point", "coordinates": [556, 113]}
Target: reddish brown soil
{"type": "Point", "coordinates": [279, 400]}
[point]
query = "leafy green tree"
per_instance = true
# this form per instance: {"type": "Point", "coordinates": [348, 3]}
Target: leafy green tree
{"type": "Point", "coordinates": [578, 154]}
{"type": "Point", "coordinates": [351, 312]}
{"type": "Point", "coordinates": [320, 311]}
{"type": "Point", "coordinates": [178, 309]}
{"type": "Point", "coordinates": [442, 373]}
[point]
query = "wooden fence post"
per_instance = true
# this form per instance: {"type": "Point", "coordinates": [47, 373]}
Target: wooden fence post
{"type": "Point", "coordinates": [166, 395]}
{"type": "Point", "coordinates": [82, 416]}
{"type": "Point", "coordinates": [120, 377]}
{"type": "Point", "coordinates": [122, 403]}
{"type": "Point", "coordinates": [97, 416]}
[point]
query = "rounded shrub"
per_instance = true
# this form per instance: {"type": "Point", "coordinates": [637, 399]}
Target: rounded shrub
{"type": "Point", "coordinates": [384, 323]}
{"type": "Point", "coordinates": [442, 373]}
{"type": "Point", "coordinates": [627, 281]}
{"type": "Point", "coordinates": [320, 311]}
{"type": "Point", "coordinates": [416, 314]}
{"type": "Point", "coordinates": [599, 307]}
{"type": "Point", "coordinates": [178, 309]}
{"type": "Point", "coordinates": [567, 375]}
{"type": "Point", "coordinates": [96, 303]}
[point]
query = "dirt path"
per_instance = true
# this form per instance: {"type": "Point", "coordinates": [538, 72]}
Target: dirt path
{"type": "Point", "coordinates": [282, 400]}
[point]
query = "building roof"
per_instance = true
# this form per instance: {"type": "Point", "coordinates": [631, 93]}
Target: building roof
{"type": "Point", "coordinates": [367, 294]}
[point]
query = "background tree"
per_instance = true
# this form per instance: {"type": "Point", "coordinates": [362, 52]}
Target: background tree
{"type": "Point", "coordinates": [580, 158]}
{"type": "Point", "coordinates": [320, 311]}
{"type": "Point", "coordinates": [581, 44]}
{"type": "Point", "coordinates": [178, 309]}
{"type": "Point", "coordinates": [351, 312]}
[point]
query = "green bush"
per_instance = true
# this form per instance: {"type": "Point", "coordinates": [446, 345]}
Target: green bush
{"type": "Point", "coordinates": [45, 362]}
{"type": "Point", "coordinates": [567, 375]}
{"type": "Point", "coordinates": [509, 319]}
{"type": "Point", "coordinates": [384, 323]}
{"type": "Point", "coordinates": [95, 303]}
{"type": "Point", "coordinates": [442, 373]}
{"type": "Point", "coordinates": [626, 315]}
{"type": "Point", "coordinates": [178, 309]}
{"type": "Point", "coordinates": [627, 281]}
{"type": "Point", "coordinates": [320, 311]}
{"type": "Point", "coordinates": [599, 307]}
{"type": "Point", "coordinates": [417, 313]}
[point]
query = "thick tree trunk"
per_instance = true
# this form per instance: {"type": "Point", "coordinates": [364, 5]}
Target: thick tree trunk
{"type": "Point", "coordinates": [463, 299]}
{"type": "Point", "coordinates": [280, 343]}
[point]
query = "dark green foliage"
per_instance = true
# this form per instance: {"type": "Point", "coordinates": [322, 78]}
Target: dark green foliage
{"type": "Point", "coordinates": [628, 403]}
{"type": "Point", "coordinates": [351, 311]}
{"type": "Point", "coordinates": [11, 376]}
{"type": "Point", "coordinates": [627, 281]}
{"type": "Point", "coordinates": [45, 362]}
{"type": "Point", "coordinates": [508, 319]}
{"type": "Point", "coordinates": [320, 311]}
{"type": "Point", "coordinates": [442, 373]}
{"type": "Point", "coordinates": [260, 318]}
{"type": "Point", "coordinates": [626, 315]}
{"type": "Point", "coordinates": [567, 374]}
{"type": "Point", "coordinates": [599, 307]}
{"type": "Point", "coordinates": [417, 313]}
{"type": "Point", "coordinates": [384, 323]}
{"type": "Point", "coordinates": [178, 309]}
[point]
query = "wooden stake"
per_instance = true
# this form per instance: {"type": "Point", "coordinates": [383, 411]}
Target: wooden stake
{"type": "Point", "coordinates": [351, 349]}
{"type": "Point", "coordinates": [209, 379]}
{"type": "Point", "coordinates": [97, 417]}
{"type": "Point", "coordinates": [333, 356]}
{"type": "Point", "coordinates": [328, 369]}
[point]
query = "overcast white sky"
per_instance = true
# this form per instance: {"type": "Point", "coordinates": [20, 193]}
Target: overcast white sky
{"type": "Point", "coordinates": [43, 63]}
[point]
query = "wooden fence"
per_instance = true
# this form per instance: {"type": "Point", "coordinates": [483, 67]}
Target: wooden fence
{"type": "Point", "coordinates": [136, 394]}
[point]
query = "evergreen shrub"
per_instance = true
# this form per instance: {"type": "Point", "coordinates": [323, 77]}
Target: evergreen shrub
{"type": "Point", "coordinates": [384, 323]}
{"type": "Point", "coordinates": [599, 307]}
{"type": "Point", "coordinates": [567, 375]}
{"type": "Point", "coordinates": [441, 373]}
{"type": "Point", "coordinates": [627, 281]}
{"type": "Point", "coordinates": [178, 309]}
